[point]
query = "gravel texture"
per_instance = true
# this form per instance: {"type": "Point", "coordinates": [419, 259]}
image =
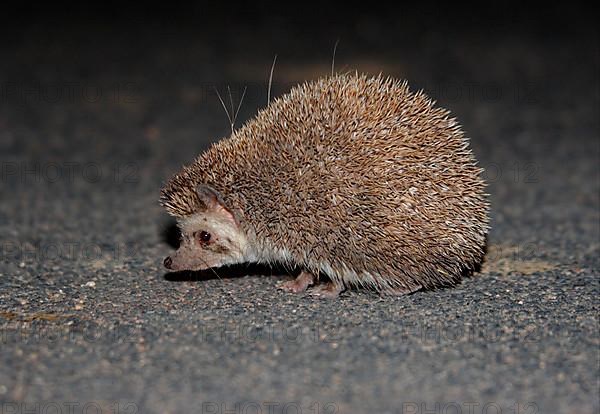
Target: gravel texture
{"type": "Point", "coordinates": [94, 118]}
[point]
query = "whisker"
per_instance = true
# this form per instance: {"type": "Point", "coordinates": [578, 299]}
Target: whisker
{"type": "Point", "coordinates": [225, 108]}
{"type": "Point", "coordinates": [230, 102]}
{"type": "Point", "coordinates": [210, 268]}
{"type": "Point", "coordinates": [333, 59]}
{"type": "Point", "coordinates": [271, 80]}
{"type": "Point", "coordinates": [240, 104]}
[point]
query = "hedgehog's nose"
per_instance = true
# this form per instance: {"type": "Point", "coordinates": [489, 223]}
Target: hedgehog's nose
{"type": "Point", "coordinates": [168, 262]}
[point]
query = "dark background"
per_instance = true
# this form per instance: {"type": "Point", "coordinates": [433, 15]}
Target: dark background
{"type": "Point", "coordinates": [100, 105]}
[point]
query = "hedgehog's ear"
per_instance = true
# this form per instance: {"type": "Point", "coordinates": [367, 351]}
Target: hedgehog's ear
{"type": "Point", "coordinates": [212, 202]}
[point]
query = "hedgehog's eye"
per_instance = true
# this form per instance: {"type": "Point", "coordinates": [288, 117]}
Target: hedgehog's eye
{"type": "Point", "coordinates": [202, 236]}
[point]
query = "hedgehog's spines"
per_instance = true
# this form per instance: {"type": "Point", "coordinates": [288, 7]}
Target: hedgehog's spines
{"type": "Point", "coordinates": [352, 176]}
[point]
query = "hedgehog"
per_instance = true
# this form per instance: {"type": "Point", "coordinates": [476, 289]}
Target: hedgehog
{"type": "Point", "coordinates": [355, 180]}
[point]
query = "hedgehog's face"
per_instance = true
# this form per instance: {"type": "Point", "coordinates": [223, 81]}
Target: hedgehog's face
{"type": "Point", "coordinates": [209, 238]}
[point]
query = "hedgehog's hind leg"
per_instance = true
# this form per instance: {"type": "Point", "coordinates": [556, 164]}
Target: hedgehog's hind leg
{"type": "Point", "coordinates": [299, 284]}
{"type": "Point", "coordinates": [401, 290]}
{"type": "Point", "coordinates": [329, 290]}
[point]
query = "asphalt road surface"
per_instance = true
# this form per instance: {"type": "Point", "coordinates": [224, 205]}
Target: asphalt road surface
{"type": "Point", "coordinates": [94, 119]}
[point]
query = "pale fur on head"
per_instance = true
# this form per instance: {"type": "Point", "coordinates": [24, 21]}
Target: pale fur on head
{"type": "Point", "coordinates": [210, 237]}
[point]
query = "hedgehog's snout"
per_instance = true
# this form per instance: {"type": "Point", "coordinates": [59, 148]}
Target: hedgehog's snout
{"type": "Point", "coordinates": [168, 262]}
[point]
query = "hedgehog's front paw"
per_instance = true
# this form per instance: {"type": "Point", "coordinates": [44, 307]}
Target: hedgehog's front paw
{"type": "Point", "coordinates": [298, 285]}
{"type": "Point", "coordinates": [328, 290]}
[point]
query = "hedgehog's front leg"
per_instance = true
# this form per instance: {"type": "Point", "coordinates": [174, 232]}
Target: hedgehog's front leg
{"type": "Point", "coordinates": [300, 284]}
